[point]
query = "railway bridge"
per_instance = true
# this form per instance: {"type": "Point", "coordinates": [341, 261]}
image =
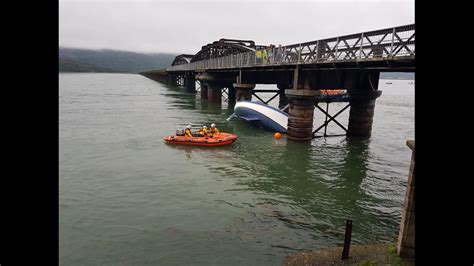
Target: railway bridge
{"type": "Point", "coordinates": [303, 74]}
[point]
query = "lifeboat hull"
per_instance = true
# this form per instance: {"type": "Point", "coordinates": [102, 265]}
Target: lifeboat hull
{"type": "Point", "coordinates": [220, 140]}
{"type": "Point", "coordinates": [269, 117]}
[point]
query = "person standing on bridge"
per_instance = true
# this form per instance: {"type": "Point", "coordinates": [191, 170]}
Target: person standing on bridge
{"type": "Point", "coordinates": [271, 54]}
{"type": "Point", "coordinates": [265, 56]}
{"type": "Point", "coordinates": [282, 53]}
{"type": "Point", "coordinates": [277, 53]}
{"type": "Point", "coordinates": [258, 56]}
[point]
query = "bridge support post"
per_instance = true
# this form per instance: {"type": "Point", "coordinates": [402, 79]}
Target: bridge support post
{"type": "Point", "coordinates": [406, 237]}
{"type": "Point", "coordinates": [173, 80]}
{"type": "Point", "coordinates": [362, 113]}
{"type": "Point", "coordinates": [214, 92]}
{"type": "Point", "coordinates": [211, 86]}
{"type": "Point", "coordinates": [161, 79]}
{"type": "Point", "coordinates": [283, 98]}
{"type": "Point", "coordinates": [203, 91]}
{"type": "Point", "coordinates": [231, 91]}
{"type": "Point", "coordinates": [190, 83]}
{"type": "Point", "coordinates": [300, 114]}
{"type": "Point", "coordinates": [243, 91]}
{"type": "Point", "coordinates": [362, 86]}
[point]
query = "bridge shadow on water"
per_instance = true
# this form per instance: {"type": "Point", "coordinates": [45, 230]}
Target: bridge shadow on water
{"type": "Point", "coordinates": [179, 98]}
{"type": "Point", "coordinates": [189, 150]}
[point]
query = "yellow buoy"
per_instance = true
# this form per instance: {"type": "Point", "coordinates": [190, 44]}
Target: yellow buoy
{"type": "Point", "coordinates": [277, 135]}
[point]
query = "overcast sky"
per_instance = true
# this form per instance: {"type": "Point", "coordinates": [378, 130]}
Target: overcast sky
{"type": "Point", "coordinates": [184, 26]}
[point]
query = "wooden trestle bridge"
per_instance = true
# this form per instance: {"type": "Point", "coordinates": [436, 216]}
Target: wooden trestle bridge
{"type": "Point", "coordinates": [300, 71]}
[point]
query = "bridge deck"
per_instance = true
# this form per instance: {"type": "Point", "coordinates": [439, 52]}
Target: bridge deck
{"type": "Point", "coordinates": [384, 49]}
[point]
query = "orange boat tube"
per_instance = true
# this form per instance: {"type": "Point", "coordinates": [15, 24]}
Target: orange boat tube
{"type": "Point", "coordinates": [332, 92]}
{"type": "Point", "coordinates": [220, 139]}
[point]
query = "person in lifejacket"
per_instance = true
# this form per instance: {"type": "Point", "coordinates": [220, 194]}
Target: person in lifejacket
{"type": "Point", "coordinates": [203, 131]}
{"type": "Point", "coordinates": [214, 130]}
{"type": "Point", "coordinates": [187, 131]}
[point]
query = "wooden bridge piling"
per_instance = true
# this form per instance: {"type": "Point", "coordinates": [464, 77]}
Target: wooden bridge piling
{"type": "Point", "coordinates": [300, 114]}
{"type": "Point", "coordinates": [243, 91]}
{"type": "Point", "coordinates": [190, 83]}
{"type": "Point", "coordinates": [204, 90]}
{"type": "Point", "coordinates": [406, 237]}
{"type": "Point", "coordinates": [283, 99]}
{"type": "Point", "coordinates": [214, 91]}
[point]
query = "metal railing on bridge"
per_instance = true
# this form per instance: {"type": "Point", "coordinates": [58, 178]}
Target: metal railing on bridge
{"type": "Point", "coordinates": [386, 44]}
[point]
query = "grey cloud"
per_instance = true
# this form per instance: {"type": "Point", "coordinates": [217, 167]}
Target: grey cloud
{"type": "Point", "coordinates": [183, 27]}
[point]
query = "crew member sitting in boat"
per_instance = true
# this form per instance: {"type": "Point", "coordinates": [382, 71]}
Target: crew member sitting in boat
{"type": "Point", "coordinates": [187, 131]}
{"type": "Point", "coordinates": [214, 130]}
{"type": "Point", "coordinates": [203, 131]}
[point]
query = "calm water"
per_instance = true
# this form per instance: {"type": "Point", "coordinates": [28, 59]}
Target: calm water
{"type": "Point", "coordinates": [127, 198]}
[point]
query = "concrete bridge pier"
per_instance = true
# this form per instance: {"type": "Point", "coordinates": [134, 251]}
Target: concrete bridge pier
{"type": "Point", "coordinates": [232, 94]}
{"type": "Point", "coordinates": [363, 98]}
{"type": "Point", "coordinates": [300, 113]}
{"type": "Point", "coordinates": [211, 86]}
{"type": "Point", "coordinates": [243, 91]}
{"type": "Point", "coordinates": [361, 114]}
{"type": "Point", "coordinates": [214, 92]}
{"type": "Point", "coordinates": [173, 80]}
{"type": "Point", "coordinates": [190, 83]}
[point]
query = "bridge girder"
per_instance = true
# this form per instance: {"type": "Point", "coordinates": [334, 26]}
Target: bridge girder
{"type": "Point", "coordinates": [182, 59]}
{"type": "Point", "coordinates": [224, 47]}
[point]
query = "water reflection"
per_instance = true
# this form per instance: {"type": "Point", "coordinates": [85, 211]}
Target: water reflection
{"type": "Point", "coordinates": [353, 169]}
{"type": "Point", "coordinates": [308, 186]}
{"type": "Point", "coordinates": [200, 151]}
{"type": "Point", "coordinates": [230, 107]}
{"type": "Point", "coordinates": [204, 105]}
{"type": "Point", "coordinates": [346, 188]}
{"type": "Point", "coordinates": [180, 98]}
{"type": "Point", "coordinates": [211, 107]}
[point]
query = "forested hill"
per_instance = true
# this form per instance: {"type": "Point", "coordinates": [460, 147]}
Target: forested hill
{"type": "Point", "coordinates": [83, 60]}
{"type": "Point", "coordinates": [67, 65]}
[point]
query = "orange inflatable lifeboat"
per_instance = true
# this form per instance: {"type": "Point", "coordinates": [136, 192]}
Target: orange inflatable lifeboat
{"type": "Point", "coordinates": [220, 139]}
{"type": "Point", "coordinates": [332, 92]}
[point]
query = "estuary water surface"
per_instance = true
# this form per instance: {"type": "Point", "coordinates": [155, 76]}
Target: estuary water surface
{"type": "Point", "coordinates": [127, 198]}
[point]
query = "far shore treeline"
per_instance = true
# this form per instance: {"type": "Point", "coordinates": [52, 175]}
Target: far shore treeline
{"type": "Point", "coordinates": [113, 61]}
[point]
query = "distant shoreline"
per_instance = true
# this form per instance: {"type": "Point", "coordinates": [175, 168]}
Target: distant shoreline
{"type": "Point", "coordinates": [110, 61]}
